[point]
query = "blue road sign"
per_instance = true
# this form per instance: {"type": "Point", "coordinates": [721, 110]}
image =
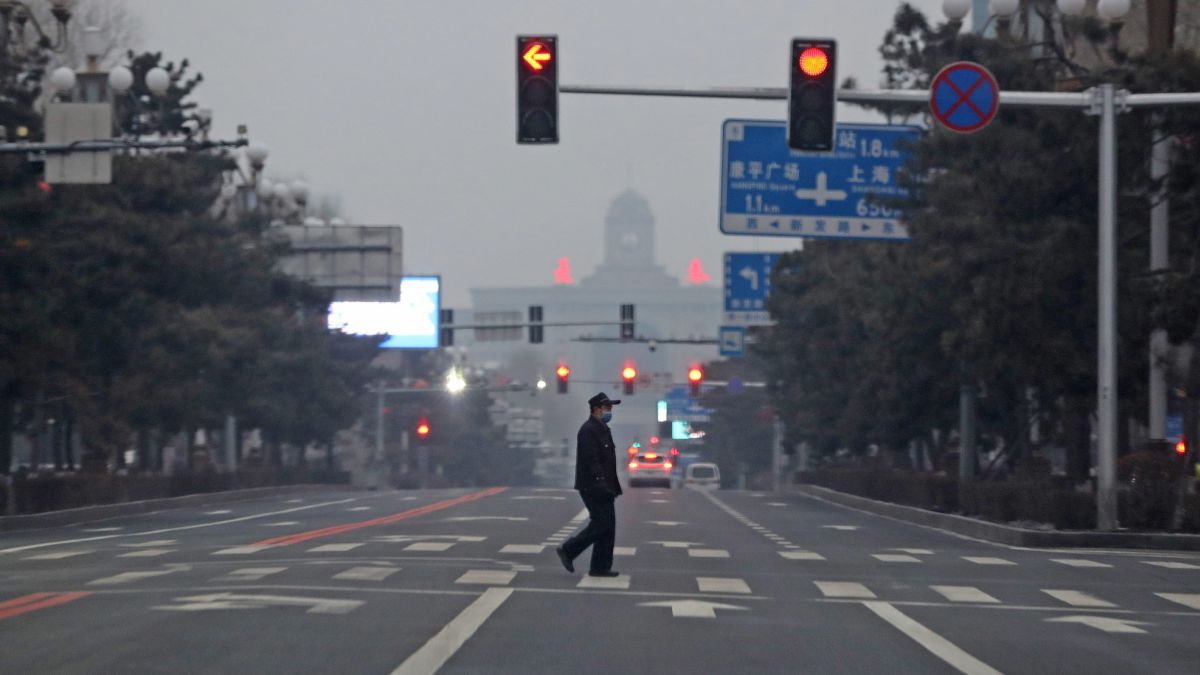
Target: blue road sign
{"type": "Point", "coordinates": [747, 287]}
{"type": "Point", "coordinates": [1174, 428]}
{"type": "Point", "coordinates": [681, 406]}
{"type": "Point", "coordinates": [768, 189]}
{"type": "Point", "coordinates": [733, 341]}
{"type": "Point", "coordinates": [964, 96]}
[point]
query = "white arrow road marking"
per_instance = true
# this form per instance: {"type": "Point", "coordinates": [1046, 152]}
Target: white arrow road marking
{"type": "Point", "coordinates": [464, 519]}
{"type": "Point", "coordinates": [931, 641]}
{"type": "Point", "coordinates": [1172, 565]}
{"type": "Point", "coordinates": [843, 528]}
{"type": "Point", "coordinates": [1077, 598]}
{"type": "Point", "coordinates": [821, 194]}
{"type": "Point", "coordinates": [1107, 624]}
{"type": "Point", "coordinates": [372, 573]}
{"type": "Point", "coordinates": [1186, 599]}
{"type": "Point", "coordinates": [433, 654]}
{"type": "Point", "coordinates": [238, 601]}
{"type": "Point", "coordinates": [693, 609]}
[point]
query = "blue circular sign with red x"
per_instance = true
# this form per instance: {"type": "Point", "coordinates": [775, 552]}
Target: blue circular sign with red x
{"type": "Point", "coordinates": [964, 96]}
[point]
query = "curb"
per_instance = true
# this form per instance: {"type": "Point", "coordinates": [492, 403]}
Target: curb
{"type": "Point", "coordinates": [1004, 534]}
{"type": "Point", "coordinates": [88, 514]}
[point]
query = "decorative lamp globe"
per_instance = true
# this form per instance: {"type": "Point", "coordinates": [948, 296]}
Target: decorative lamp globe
{"type": "Point", "coordinates": [955, 10]}
{"type": "Point", "coordinates": [158, 81]}
{"type": "Point", "coordinates": [62, 79]}
{"type": "Point", "coordinates": [266, 189]}
{"type": "Point", "coordinates": [257, 154]}
{"type": "Point", "coordinates": [1004, 7]}
{"type": "Point", "coordinates": [300, 191]}
{"type": "Point", "coordinates": [1072, 7]}
{"type": "Point", "coordinates": [120, 79]}
{"type": "Point", "coordinates": [314, 221]}
{"type": "Point", "coordinates": [1112, 10]}
{"type": "Point", "coordinates": [282, 192]}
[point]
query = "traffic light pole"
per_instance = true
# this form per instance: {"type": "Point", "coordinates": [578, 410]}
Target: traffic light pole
{"type": "Point", "coordinates": [1104, 101]}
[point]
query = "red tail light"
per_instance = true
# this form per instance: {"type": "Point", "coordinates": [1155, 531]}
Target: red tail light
{"type": "Point", "coordinates": [633, 465]}
{"type": "Point", "coordinates": [669, 465]}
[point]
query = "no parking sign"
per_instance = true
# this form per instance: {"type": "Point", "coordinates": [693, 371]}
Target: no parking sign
{"type": "Point", "coordinates": [964, 96]}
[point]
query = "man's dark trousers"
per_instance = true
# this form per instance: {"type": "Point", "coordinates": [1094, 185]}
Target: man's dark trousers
{"type": "Point", "coordinates": [601, 530]}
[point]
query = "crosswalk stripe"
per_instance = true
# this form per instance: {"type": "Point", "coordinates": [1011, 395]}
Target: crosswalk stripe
{"type": "Point", "coordinates": [333, 548]}
{"type": "Point", "coordinates": [1079, 562]}
{"type": "Point", "coordinates": [620, 583]}
{"type": "Point", "coordinates": [147, 553]}
{"type": "Point", "coordinates": [371, 573]}
{"type": "Point", "coordinates": [801, 555]}
{"type": "Point", "coordinates": [157, 543]}
{"type": "Point", "coordinates": [914, 551]}
{"type": "Point", "coordinates": [1171, 565]}
{"type": "Point", "coordinates": [963, 594]}
{"type": "Point", "coordinates": [126, 577]}
{"type": "Point", "coordinates": [1191, 600]}
{"type": "Point", "coordinates": [239, 550]}
{"type": "Point", "coordinates": [56, 556]}
{"type": "Point", "coordinates": [987, 561]}
{"type": "Point", "coordinates": [625, 550]}
{"type": "Point", "coordinates": [523, 548]}
{"type": "Point", "coordinates": [1077, 598]}
{"type": "Point", "coordinates": [491, 577]}
{"type": "Point", "coordinates": [844, 589]}
{"type": "Point", "coordinates": [433, 546]}
{"type": "Point", "coordinates": [708, 553]}
{"type": "Point", "coordinates": [895, 558]}
{"type": "Point", "coordinates": [252, 573]}
{"type": "Point", "coordinates": [721, 585]}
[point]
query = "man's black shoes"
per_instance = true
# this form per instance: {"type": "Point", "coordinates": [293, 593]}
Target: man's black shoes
{"type": "Point", "coordinates": [562, 556]}
{"type": "Point", "coordinates": [604, 573]}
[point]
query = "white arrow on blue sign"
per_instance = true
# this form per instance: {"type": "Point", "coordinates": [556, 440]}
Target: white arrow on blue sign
{"type": "Point", "coordinates": [747, 287]}
{"type": "Point", "coordinates": [768, 189]}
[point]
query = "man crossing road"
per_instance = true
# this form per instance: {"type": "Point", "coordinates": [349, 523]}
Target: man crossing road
{"type": "Point", "coordinates": [596, 480]}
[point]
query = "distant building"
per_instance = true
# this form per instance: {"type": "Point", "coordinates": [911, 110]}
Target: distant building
{"type": "Point", "coordinates": [665, 309]}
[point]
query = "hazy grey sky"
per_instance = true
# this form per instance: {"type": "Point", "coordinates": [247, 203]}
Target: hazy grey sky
{"type": "Point", "coordinates": [405, 110]}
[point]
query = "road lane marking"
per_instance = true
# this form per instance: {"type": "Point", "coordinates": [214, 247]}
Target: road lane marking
{"type": "Point", "coordinates": [1079, 562]}
{"type": "Point", "coordinates": [489, 577]}
{"type": "Point", "coordinates": [218, 512]}
{"type": "Point", "coordinates": [211, 601]}
{"type": "Point", "coordinates": [963, 594]}
{"type": "Point", "coordinates": [181, 528]}
{"type": "Point", "coordinates": [841, 528]}
{"type": "Point", "coordinates": [282, 523]}
{"type": "Point", "coordinates": [430, 546]}
{"type": "Point", "coordinates": [665, 523]}
{"type": "Point", "coordinates": [129, 577]}
{"type": "Point", "coordinates": [844, 589]}
{"type": "Point", "coordinates": [776, 504]}
{"type": "Point", "coordinates": [625, 550]}
{"type": "Point", "coordinates": [240, 550]}
{"type": "Point", "coordinates": [57, 556]}
{"type": "Point", "coordinates": [580, 517]}
{"type": "Point", "coordinates": [692, 609]}
{"type": "Point", "coordinates": [433, 654]}
{"type": "Point", "coordinates": [708, 553]}
{"type": "Point", "coordinates": [620, 583]}
{"type": "Point", "coordinates": [371, 573]}
{"type": "Point", "coordinates": [102, 529]}
{"type": "Point", "coordinates": [333, 548]}
{"type": "Point", "coordinates": [157, 543]}
{"type": "Point", "coordinates": [660, 501]}
{"type": "Point", "coordinates": [801, 555]}
{"type": "Point", "coordinates": [1171, 565]}
{"type": "Point", "coordinates": [36, 601]}
{"type": "Point", "coordinates": [1077, 598]}
{"type": "Point", "coordinates": [359, 508]}
{"type": "Point", "coordinates": [552, 497]}
{"type": "Point", "coordinates": [464, 519]}
{"type": "Point", "coordinates": [147, 553]}
{"type": "Point", "coordinates": [290, 539]}
{"type": "Point", "coordinates": [895, 558]}
{"type": "Point", "coordinates": [722, 585]}
{"type": "Point", "coordinates": [523, 548]}
{"type": "Point", "coordinates": [250, 573]}
{"type": "Point", "coordinates": [984, 560]}
{"type": "Point", "coordinates": [914, 551]}
{"type": "Point", "coordinates": [402, 538]}
{"type": "Point", "coordinates": [677, 544]}
{"type": "Point", "coordinates": [292, 501]}
{"type": "Point", "coordinates": [1107, 624]}
{"type": "Point", "coordinates": [931, 641]}
{"type": "Point", "coordinates": [1191, 600]}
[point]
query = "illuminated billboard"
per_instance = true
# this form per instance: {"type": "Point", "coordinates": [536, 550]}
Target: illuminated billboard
{"type": "Point", "coordinates": [411, 323]}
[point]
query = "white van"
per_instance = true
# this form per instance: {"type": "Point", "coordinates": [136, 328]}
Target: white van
{"type": "Point", "coordinates": [702, 476]}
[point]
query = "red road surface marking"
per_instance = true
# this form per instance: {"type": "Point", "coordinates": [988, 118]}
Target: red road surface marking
{"type": "Point", "coordinates": [36, 601]}
{"type": "Point", "coordinates": [290, 539]}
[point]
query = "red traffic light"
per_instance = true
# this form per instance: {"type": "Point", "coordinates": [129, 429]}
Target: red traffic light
{"type": "Point", "coordinates": [695, 374]}
{"type": "Point", "coordinates": [813, 61]}
{"type": "Point", "coordinates": [1181, 447]}
{"type": "Point", "coordinates": [536, 55]}
{"type": "Point", "coordinates": [629, 373]}
{"type": "Point", "coordinates": [563, 372]}
{"type": "Point", "coordinates": [423, 428]}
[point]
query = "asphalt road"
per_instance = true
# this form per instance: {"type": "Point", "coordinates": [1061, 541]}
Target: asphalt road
{"type": "Point", "coordinates": [466, 581]}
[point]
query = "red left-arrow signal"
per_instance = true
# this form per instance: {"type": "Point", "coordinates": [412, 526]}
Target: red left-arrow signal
{"type": "Point", "coordinates": [535, 55]}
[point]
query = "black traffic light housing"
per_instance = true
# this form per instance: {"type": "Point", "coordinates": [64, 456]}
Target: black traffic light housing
{"type": "Point", "coordinates": [563, 373]}
{"type": "Point", "coordinates": [536, 331]}
{"type": "Point", "coordinates": [695, 379]}
{"type": "Point", "coordinates": [812, 94]}
{"type": "Point", "coordinates": [628, 377]}
{"type": "Point", "coordinates": [627, 331]}
{"type": "Point", "coordinates": [537, 89]}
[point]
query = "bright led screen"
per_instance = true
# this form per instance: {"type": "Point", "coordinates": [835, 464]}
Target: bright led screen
{"type": "Point", "coordinates": [411, 323]}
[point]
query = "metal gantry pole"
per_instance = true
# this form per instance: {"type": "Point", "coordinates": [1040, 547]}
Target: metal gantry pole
{"type": "Point", "coordinates": [1106, 385]}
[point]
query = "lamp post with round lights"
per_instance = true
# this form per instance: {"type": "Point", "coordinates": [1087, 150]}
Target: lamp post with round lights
{"type": "Point", "coordinates": [16, 19]}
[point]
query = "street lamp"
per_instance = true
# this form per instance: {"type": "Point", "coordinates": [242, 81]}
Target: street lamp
{"type": "Point", "coordinates": [955, 10]}
{"type": "Point", "coordinates": [455, 384]}
{"type": "Point", "coordinates": [16, 16]}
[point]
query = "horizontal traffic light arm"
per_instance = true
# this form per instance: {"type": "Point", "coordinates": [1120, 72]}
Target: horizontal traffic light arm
{"type": "Point", "coordinates": [550, 324]}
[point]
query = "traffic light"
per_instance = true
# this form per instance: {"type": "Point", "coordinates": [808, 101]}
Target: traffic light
{"type": "Point", "coordinates": [537, 89]}
{"type": "Point", "coordinates": [564, 377]}
{"type": "Point", "coordinates": [626, 322]}
{"type": "Point", "coordinates": [536, 334]}
{"type": "Point", "coordinates": [1181, 448]}
{"type": "Point", "coordinates": [423, 429]}
{"type": "Point", "coordinates": [628, 375]}
{"type": "Point", "coordinates": [695, 378]}
{"type": "Point", "coordinates": [446, 332]}
{"type": "Point", "coordinates": [812, 96]}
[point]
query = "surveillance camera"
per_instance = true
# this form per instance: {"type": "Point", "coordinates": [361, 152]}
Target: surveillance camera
{"type": "Point", "coordinates": [653, 344]}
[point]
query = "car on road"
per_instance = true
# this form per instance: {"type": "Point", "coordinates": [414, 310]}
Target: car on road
{"type": "Point", "coordinates": [702, 476]}
{"type": "Point", "coordinates": [650, 468]}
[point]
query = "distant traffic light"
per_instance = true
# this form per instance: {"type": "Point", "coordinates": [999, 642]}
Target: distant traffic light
{"type": "Point", "coordinates": [1181, 447]}
{"type": "Point", "coordinates": [564, 376]}
{"type": "Point", "coordinates": [423, 429]}
{"type": "Point", "coordinates": [628, 376]}
{"type": "Point", "coordinates": [537, 89]}
{"type": "Point", "coordinates": [536, 330]}
{"type": "Point", "coordinates": [446, 332]}
{"type": "Point", "coordinates": [812, 96]}
{"type": "Point", "coordinates": [627, 322]}
{"type": "Point", "coordinates": [695, 379]}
